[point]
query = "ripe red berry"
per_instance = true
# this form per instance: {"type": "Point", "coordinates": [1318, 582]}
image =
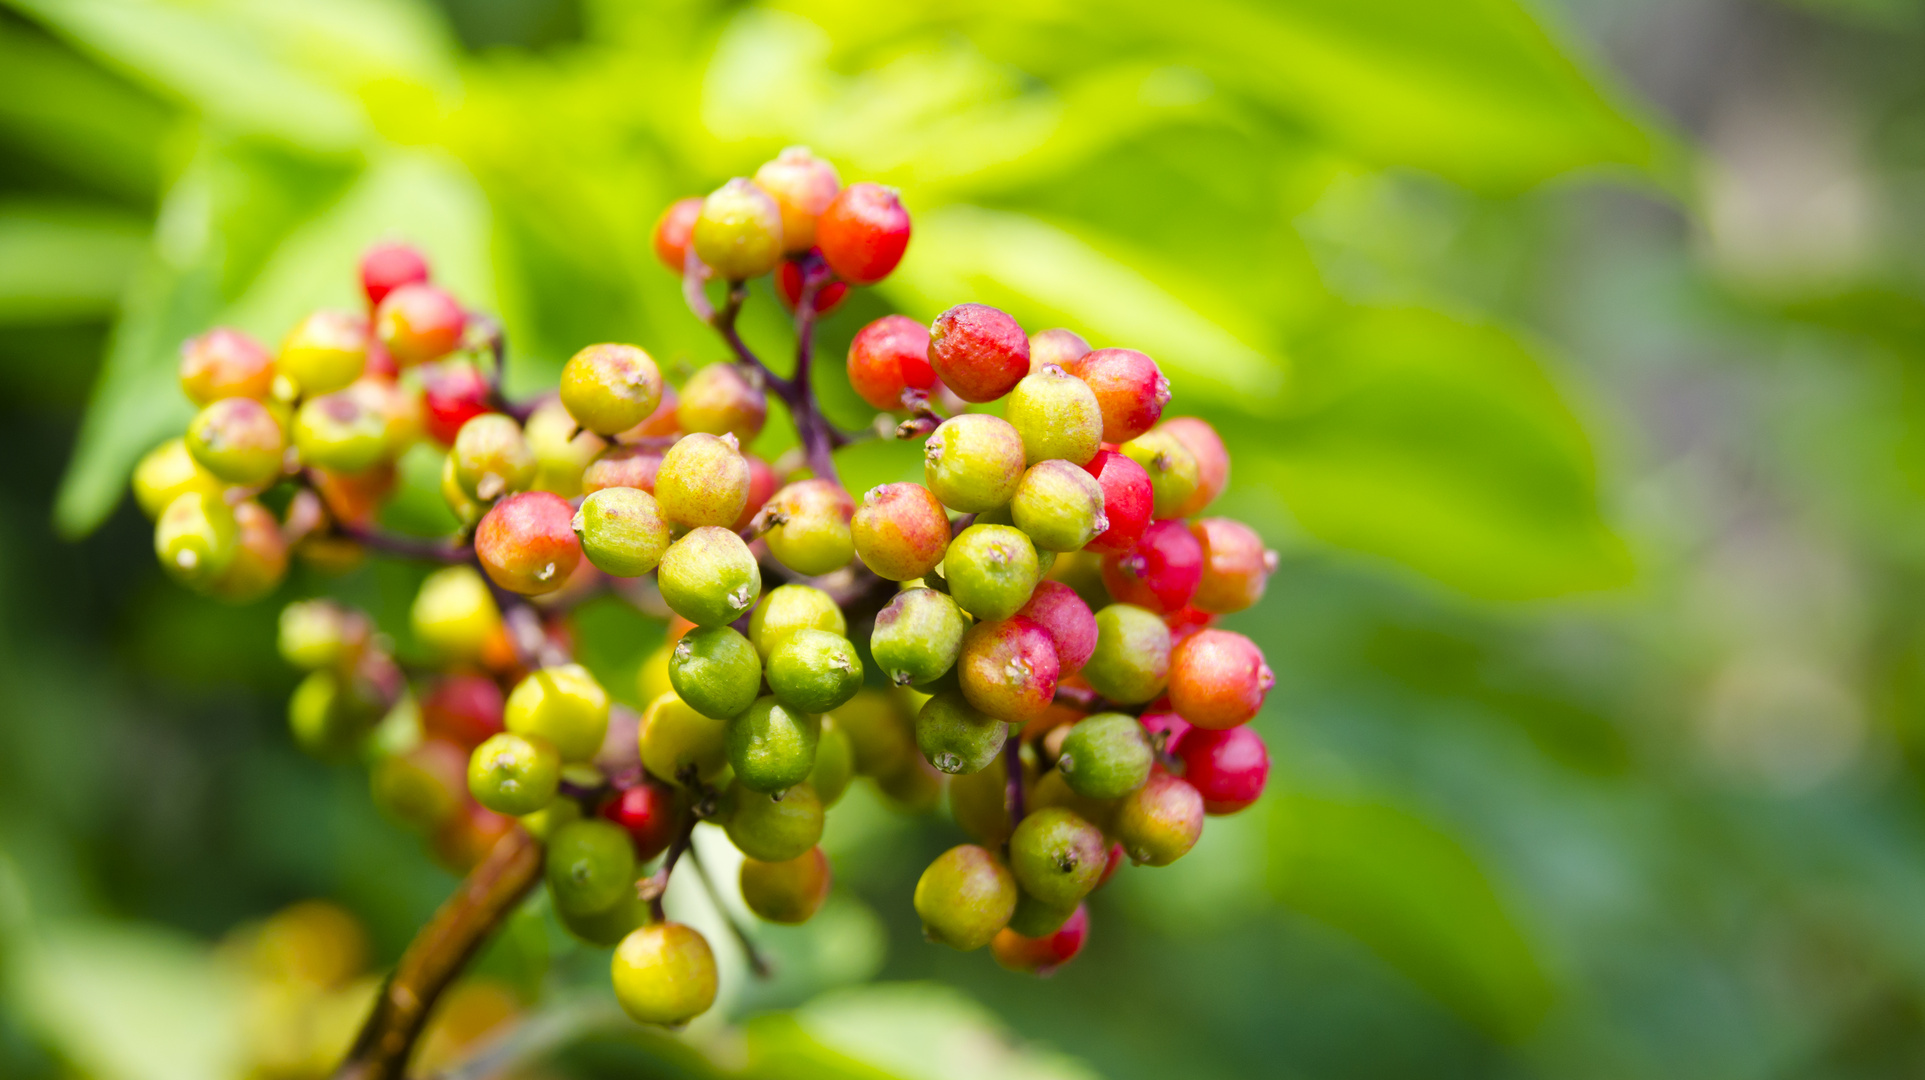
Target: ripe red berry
{"type": "Point", "coordinates": [1236, 565]}
{"type": "Point", "coordinates": [1212, 460]}
{"type": "Point", "coordinates": [647, 812]}
{"type": "Point", "coordinates": [418, 323]}
{"type": "Point", "coordinates": [863, 233]}
{"type": "Point", "coordinates": [1161, 572]}
{"type": "Point", "coordinates": [1218, 679]}
{"type": "Point", "coordinates": [1008, 669]}
{"type": "Point", "coordinates": [889, 356]}
{"type": "Point", "coordinates": [527, 542]}
{"type": "Point", "coordinates": [1060, 347]}
{"type": "Point", "coordinates": [227, 363]}
{"type": "Point", "coordinates": [464, 709]}
{"type": "Point", "coordinates": [788, 286]}
{"type": "Point", "coordinates": [1162, 721]}
{"type": "Point", "coordinates": [1068, 621]}
{"type": "Point", "coordinates": [979, 352]}
{"type": "Point", "coordinates": [387, 267]}
{"type": "Point", "coordinates": [1127, 501]}
{"type": "Point", "coordinates": [1042, 955]}
{"type": "Point", "coordinates": [1130, 389]}
{"type": "Point", "coordinates": [672, 231]}
{"type": "Point", "coordinates": [451, 395]}
{"type": "Point", "coordinates": [1228, 768]}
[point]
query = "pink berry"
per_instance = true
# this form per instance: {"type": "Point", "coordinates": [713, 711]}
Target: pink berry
{"type": "Point", "coordinates": [1008, 669]}
{"type": "Point", "coordinates": [1236, 565]}
{"type": "Point", "coordinates": [451, 395]}
{"type": "Point", "coordinates": [1161, 572]}
{"type": "Point", "coordinates": [1127, 501]}
{"type": "Point", "coordinates": [1228, 768]}
{"type": "Point", "coordinates": [980, 353]}
{"type": "Point", "coordinates": [1068, 621]}
{"type": "Point", "coordinates": [418, 323]}
{"type": "Point", "coordinates": [623, 466]}
{"type": "Point", "coordinates": [1042, 955]}
{"type": "Point", "coordinates": [1129, 388]}
{"type": "Point", "coordinates": [1218, 679]}
{"type": "Point", "coordinates": [1161, 720]}
{"type": "Point", "coordinates": [527, 542]}
{"type": "Point", "coordinates": [387, 267]}
{"type": "Point", "coordinates": [802, 186]}
{"type": "Point", "coordinates": [226, 363]}
{"type": "Point", "coordinates": [901, 532]}
{"type": "Point", "coordinates": [863, 233]}
{"type": "Point", "coordinates": [887, 357]}
{"type": "Point", "coordinates": [463, 709]}
{"type": "Point", "coordinates": [1212, 460]}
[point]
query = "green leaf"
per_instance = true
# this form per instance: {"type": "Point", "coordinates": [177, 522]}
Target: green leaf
{"type": "Point", "coordinates": [60, 262]}
{"type": "Point", "coordinates": [70, 113]}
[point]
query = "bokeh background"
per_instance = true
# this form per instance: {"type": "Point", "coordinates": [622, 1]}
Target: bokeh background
{"type": "Point", "coordinates": [1569, 351]}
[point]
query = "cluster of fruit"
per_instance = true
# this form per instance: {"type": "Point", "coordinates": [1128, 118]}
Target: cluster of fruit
{"type": "Point", "coordinates": [1033, 621]}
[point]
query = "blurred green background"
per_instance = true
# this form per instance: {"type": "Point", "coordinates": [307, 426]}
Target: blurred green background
{"type": "Point", "coordinates": [1570, 352]}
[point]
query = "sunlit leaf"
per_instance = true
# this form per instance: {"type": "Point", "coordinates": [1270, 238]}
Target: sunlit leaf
{"type": "Point", "coordinates": [62, 261]}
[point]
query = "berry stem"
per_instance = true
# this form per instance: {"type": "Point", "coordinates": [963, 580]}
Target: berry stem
{"type": "Point", "coordinates": [490, 334]}
{"type": "Point", "coordinates": [1013, 765]}
{"type": "Point", "coordinates": [652, 887]}
{"type": "Point", "coordinates": [758, 963]}
{"type": "Point", "coordinates": [406, 547]}
{"type": "Point", "coordinates": [438, 953]}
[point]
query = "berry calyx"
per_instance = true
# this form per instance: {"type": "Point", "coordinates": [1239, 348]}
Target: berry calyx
{"type": "Point", "coordinates": [863, 233]}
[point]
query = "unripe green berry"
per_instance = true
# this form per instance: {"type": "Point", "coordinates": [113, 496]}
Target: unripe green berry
{"type": "Point", "coordinates": [1106, 756]}
{"type": "Point", "coordinates": [703, 481]}
{"type": "Point", "coordinates": [168, 472]}
{"type": "Point", "coordinates": [979, 802]}
{"type": "Point", "coordinates": [918, 637]}
{"type": "Point", "coordinates": [1172, 467]}
{"type": "Point", "coordinates": [955, 736]}
{"type": "Point", "coordinates": [606, 928]}
{"type": "Point", "coordinates": [991, 570]}
{"type": "Point", "coordinates": [973, 462]}
{"type": "Point", "coordinates": [715, 670]}
{"type": "Point", "coordinates": [590, 865]}
{"type": "Point", "coordinates": [238, 440]}
{"type": "Point", "coordinates": [809, 527]}
{"type": "Point", "coordinates": [492, 457]}
{"type": "Point", "coordinates": [835, 762]}
{"type": "Point", "coordinates": [562, 450]}
{"type": "Point", "coordinates": [315, 634]}
{"type": "Point", "coordinates": [454, 614]}
{"type": "Point", "coordinates": [788, 608]}
{"type": "Point", "coordinates": [1059, 506]}
{"type": "Point", "coordinates": [514, 774]}
{"type": "Point", "coordinates": [964, 897]}
{"type": "Point", "coordinates": [815, 671]}
{"type": "Point", "coordinates": [1056, 415]}
{"type": "Point", "coordinates": [1057, 857]}
{"type": "Point", "coordinates": [789, 891]}
{"type": "Point", "coordinates": [542, 824]}
{"type": "Point", "coordinates": [1052, 789]}
{"type": "Point", "coordinates": [325, 352]}
{"type": "Point", "coordinates": [622, 531]}
{"type": "Point", "coordinates": [880, 730]}
{"type": "Point", "coordinates": [772, 746]}
{"type": "Point", "coordinates": [709, 577]}
{"type": "Point", "coordinates": [463, 505]}
{"type": "Point", "coordinates": [771, 828]}
{"type": "Point", "coordinates": [677, 742]}
{"type": "Point", "coordinates": [327, 719]}
{"type": "Point", "coordinates": [738, 234]}
{"type": "Point", "coordinates": [610, 388]}
{"type": "Point", "coordinates": [563, 704]}
{"type": "Point", "coordinates": [1159, 822]}
{"type": "Point", "coordinates": [720, 400]}
{"type": "Point", "coordinates": [196, 538]}
{"type": "Point", "coordinates": [340, 431]}
{"type": "Point", "coordinates": [664, 973]}
{"type": "Point", "coordinates": [1034, 918]}
{"type": "Point", "coordinates": [1131, 663]}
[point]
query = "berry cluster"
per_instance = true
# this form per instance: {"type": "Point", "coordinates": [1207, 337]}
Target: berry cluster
{"type": "Point", "coordinates": [1029, 627]}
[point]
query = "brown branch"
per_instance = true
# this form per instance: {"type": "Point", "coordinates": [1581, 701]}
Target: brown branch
{"type": "Point", "coordinates": [437, 955]}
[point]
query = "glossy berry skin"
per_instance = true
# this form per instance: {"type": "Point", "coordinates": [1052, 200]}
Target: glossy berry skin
{"type": "Point", "coordinates": [452, 394]}
{"type": "Point", "coordinates": [887, 357]}
{"type": "Point", "coordinates": [1161, 572]}
{"type": "Point", "coordinates": [1212, 460]}
{"type": "Point", "coordinates": [339, 431]}
{"type": "Point", "coordinates": [1129, 388]}
{"type": "Point", "coordinates": [789, 608]}
{"type": "Point", "coordinates": [835, 762]}
{"type": "Point", "coordinates": [170, 471]}
{"type": "Point", "coordinates": [1068, 621]}
{"type": "Point", "coordinates": [648, 812]}
{"type": "Point", "coordinates": [1127, 501]}
{"type": "Point", "coordinates": [590, 865]}
{"type": "Point", "coordinates": [738, 233]}
{"type": "Point", "coordinates": [196, 539]}
{"type": "Point", "coordinates": [514, 774]}
{"type": "Point", "coordinates": [491, 457]}
{"type": "Point", "coordinates": [238, 440]}
{"type": "Point", "coordinates": [622, 531]}
{"type": "Point", "coordinates": [863, 233]}
{"type": "Point", "coordinates": [225, 363]}
{"type": "Point", "coordinates": [463, 709]}
{"type": "Point", "coordinates": [417, 323]}
{"type": "Point", "coordinates": [1131, 663]}
{"type": "Point", "coordinates": [610, 388]}
{"type": "Point", "coordinates": [809, 527]}
{"type": "Point", "coordinates": [771, 829]}
{"type": "Point", "coordinates": [324, 352]}
{"type": "Point", "coordinates": [1059, 347]}
{"type": "Point", "coordinates": [1059, 505]}
{"type": "Point", "coordinates": [1228, 768]}
{"type": "Point", "coordinates": [991, 570]}
{"type": "Point", "coordinates": [312, 634]}
{"type": "Point", "coordinates": [623, 466]}
{"type": "Point", "coordinates": [1236, 566]}
{"type": "Point", "coordinates": [964, 897]}
{"type": "Point", "coordinates": [1057, 417]}
{"type": "Point", "coordinates": [771, 746]}
{"type": "Point", "coordinates": [788, 288]}
{"type": "Point", "coordinates": [703, 481]}
{"type": "Point", "coordinates": [978, 351]}
{"type": "Point", "coordinates": [562, 704]}
{"type": "Point", "coordinates": [664, 973]}
{"type": "Point", "coordinates": [386, 267]}
{"type": "Point", "coordinates": [1165, 728]}
{"type": "Point", "coordinates": [787, 892]}
{"type": "Point", "coordinates": [720, 400]}
{"type": "Point", "coordinates": [1106, 756]}
{"type": "Point", "coordinates": [675, 741]}
{"type": "Point", "coordinates": [802, 186]}
{"type": "Point", "coordinates": [1008, 669]}
{"type": "Point", "coordinates": [1057, 857]}
{"type": "Point", "coordinates": [813, 671]}
{"type": "Point", "coordinates": [672, 231]}
{"type": "Point", "coordinates": [1159, 822]}
{"type": "Point", "coordinates": [526, 543]}
{"type": "Point", "coordinates": [1171, 467]}
{"type": "Point", "coordinates": [709, 577]}
{"type": "Point", "coordinates": [1218, 679]}
{"type": "Point", "coordinates": [1042, 955]}
{"type": "Point", "coordinates": [454, 614]}
{"type": "Point", "coordinates": [900, 531]}
{"type": "Point", "coordinates": [919, 636]}
{"type": "Point", "coordinates": [973, 462]}
{"type": "Point", "coordinates": [955, 736]}
{"type": "Point", "coordinates": [716, 671]}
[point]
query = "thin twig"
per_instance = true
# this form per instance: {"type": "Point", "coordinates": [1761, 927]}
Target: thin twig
{"type": "Point", "coordinates": [758, 963]}
{"type": "Point", "coordinates": [654, 885]}
{"type": "Point", "coordinates": [1013, 790]}
{"type": "Point", "coordinates": [407, 547]}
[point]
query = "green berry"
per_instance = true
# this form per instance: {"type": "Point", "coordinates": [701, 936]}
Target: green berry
{"type": "Point", "coordinates": [325, 352]}
{"type": "Point", "coordinates": [1106, 756]}
{"type": "Point", "coordinates": [964, 897]}
{"type": "Point", "coordinates": [608, 927]}
{"type": "Point", "coordinates": [590, 864]}
{"type": "Point", "coordinates": [716, 671]}
{"type": "Point", "coordinates": [664, 973]}
{"type": "Point", "coordinates": [463, 505]}
{"type": "Point", "coordinates": [491, 457]}
{"type": "Point", "coordinates": [738, 234]}
{"type": "Point", "coordinates": [835, 762]}
{"type": "Point", "coordinates": [1052, 789]}
{"type": "Point", "coordinates": [979, 802]}
{"type": "Point", "coordinates": [709, 577]}
{"type": "Point", "coordinates": [789, 608]}
{"type": "Point", "coordinates": [789, 891]}
{"type": "Point", "coordinates": [809, 527]}
{"type": "Point", "coordinates": [918, 637]}
{"type": "Point", "coordinates": [955, 736]}
{"type": "Point", "coordinates": [542, 823]}
{"type": "Point", "coordinates": [610, 388]}
{"type": "Point", "coordinates": [622, 531]}
{"type": "Point", "coordinates": [880, 731]}
{"type": "Point", "coordinates": [973, 462]}
{"type": "Point", "coordinates": [703, 481]}
{"type": "Point", "coordinates": [329, 720]}
{"type": "Point", "coordinates": [1131, 663]}
{"type": "Point", "coordinates": [677, 742]}
{"type": "Point", "coordinates": [1057, 857]}
{"type": "Point", "coordinates": [168, 472]}
{"type": "Point", "coordinates": [1059, 505]}
{"type": "Point", "coordinates": [772, 746]}
{"type": "Point", "coordinates": [763, 826]}
{"type": "Point", "coordinates": [562, 450]}
{"type": "Point", "coordinates": [1173, 469]}
{"type": "Point", "coordinates": [814, 671]}
{"type": "Point", "coordinates": [720, 400]}
{"type": "Point", "coordinates": [1159, 822]}
{"type": "Point", "coordinates": [340, 431]}
{"type": "Point", "coordinates": [991, 570]}
{"type": "Point", "coordinates": [563, 704]}
{"type": "Point", "coordinates": [238, 440]}
{"type": "Point", "coordinates": [1034, 918]}
{"type": "Point", "coordinates": [514, 774]}
{"type": "Point", "coordinates": [454, 614]}
{"type": "Point", "coordinates": [315, 634]}
{"type": "Point", "coordinates": [197, 537]}
{"type": "Point", "coordinates": [1056, 415]}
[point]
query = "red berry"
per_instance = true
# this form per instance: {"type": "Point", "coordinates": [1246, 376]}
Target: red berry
{"type": "Point", "coordinates": [647, 812]}
{"type": "Point", "coordinates": [1114, 860]}
{"type": "Point", "coordinates": [1162, 720]}
{"type": "Point", "coordinates": [900, 531]}
{"type": "Point", "coordinates": [1042, 955]}
{"type": "Point", "coordinates": [227, 363]}
{"type": "Point", "coordinates": [1161, 572]}
{"type": "Point", "coordinates": [464, 709]}
{"type": "Point", "coordinates": [1129, 388]}
{"type": "Point", "coordinates": [387, 267]}
{"type": "Point", "coordinates": [1008, 669]}
{"type": "Point", "coordinates": [788, 286]}
{"type": "Point", "coordinates": [1218, 679]}
{"type": "Point", "coordinates": [1187, 620]}
{"type": "Point", "coordinates": [1068, 621]}
{"type": "Point", "coordinates": [452, 395]}
{"type": "Point", "coordinates": [672, 231]}
{"type": "Point", "coordinates": [624, 466]}
{"type": "Point", "coordinates": [863, 233]}
{"type": "Point", "coordinates": [1127, 501]}
{"type": "Point", "coordinates": [1212, 460]}
{"type": "Point", "coordinates": [887, 357]}
{"type": "Point", "coordinates": [762, 485]}
{"type": "Point", "coordinates": [418, 323]}
{"type": "Point", "coordinates": [527, 542]}
{"type": "Point", "coordinates": [978, 352]}
{"type": "Point", "coordinates": [1236, 565]}
{"type": "Point", "coordinates": [1228, 768]}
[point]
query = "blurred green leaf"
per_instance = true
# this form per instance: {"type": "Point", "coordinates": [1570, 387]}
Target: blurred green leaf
{"type": "Point", "coordinates": [61, 262]}
{"type": "Point", "coordinates": [57, 106]}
